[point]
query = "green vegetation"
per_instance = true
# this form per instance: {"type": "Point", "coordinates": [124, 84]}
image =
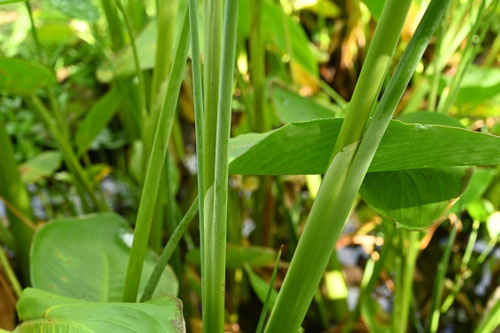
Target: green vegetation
{"type": "Point", "coordinates": [249, 166]}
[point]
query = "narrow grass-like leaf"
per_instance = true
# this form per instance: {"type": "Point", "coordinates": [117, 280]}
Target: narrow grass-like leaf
{"type": "Point", "coordinates": [270, 290]}
{"type": "Point", "coordinates": [168, 250]}
{"type": "Point", "coordinates": [155, 166]}
{"type": "Point", "coordinates": [42, 165]}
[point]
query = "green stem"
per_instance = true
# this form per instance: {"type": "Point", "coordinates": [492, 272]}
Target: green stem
{"type": "Point", "coordinates": [342, 181]}
{"type": "Point", "coordinates": [114, 25]}
{"type": "Point", "coordinates": [437, 290]}
{"type": "Point", "coordinates": [212, 55]}
{"type": "Point", "coordinates": [82, 182]}
{"type": "Point", "coordinates": [155, 167]}
{"type": "Point", "coordinates": [373, 73]}
{"type": "Point", "coordinates": [14, 192]}
{"type": "Point", "coordinates": [138, 69]}
{"type": "Point", "coordinates": [215, 226]}
{"type": "Point", "coordinates": [168, 250]}
{"type": "Point", "coordinates": [470, 51]}
{"type": "Point", "coordinates": [9, 272]}
{"type": "Point", "coordinates": [198, 112]}
{"type": "Point", "coordinates": [405, 288]}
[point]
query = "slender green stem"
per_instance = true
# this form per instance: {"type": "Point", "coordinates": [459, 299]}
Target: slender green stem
{"type": "Point", "coordinates": [493, 53]}
{"type": "Point", "coordinates": [342, 181]}
{"type": "Point", "coordinates": [333, 94]}
{"type": "Point", "coordinates": [34, 32]}
{"type": "Point", "coordinates": [168, 250]}
{"type": "Point", "coordinates": [82, 182]}
{"type": "Point", "coordinates": [470, 51]}
{"type": "Point", "coordinates": [11, 276]}
{"type": "Point", "coordinates": [198, 112]}
{"type": "Point", "coordinates": [257, 66]}
{"type": "Point", "coordinates": [155, 167]}
{"type": "Point", "coordinates": [263, 313]}
{"type": "Point", "coordinates": [215, 226]}
{"type": "Point", "coordinates": [435, 66]}
{"type": "Point", "coordinates": [114, 25]}
{"type": "Point", "coordinates": [405, 288]}
{"type": "Point", "coordinates": [437, 290]}
{"type": "Point", "coordinates": [138, 70]}
{"type": "Point", "coordinates": [16, 196]}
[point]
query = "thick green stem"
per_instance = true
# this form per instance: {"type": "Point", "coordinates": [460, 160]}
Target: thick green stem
{"type": "Point", "coordinates": [198, 112]}
{"type": "Point", "coordinates": [155, 167]}
{"type": "Point", "coordinates": [215, 226]}
{"type": "Point", "coordinates": [342, 181]}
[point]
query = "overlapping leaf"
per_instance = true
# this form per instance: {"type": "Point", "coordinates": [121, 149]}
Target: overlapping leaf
{"type": "Point", "coordinates": [86, 258]}
{"type": "Point", "coordinates": [41, 311]}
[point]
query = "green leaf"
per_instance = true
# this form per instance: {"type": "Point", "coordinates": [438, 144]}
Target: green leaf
{"type": "Point", "coordinates": [43, 165]}
{"type": "Point", "coordinates": [291, 107]}
{"type": "Point", "coordinates": [22, 77]}
{"type": "Point", "coordinates": [97, 119]}
{"type": "Point", "coordinates": [41, 311]}
{"type": "Point", "coordinates": [86, 258]}
{"type": "Point", "coordinates": [81, 9]}
{"type": "Point", "coordinates": [236, 256]}
{"type": "Point", "coordinates": [414, 199]}
{"type": "Point", "coordinates": [304, 148]}
{"type": "Point", "coordinates": [493, 225]}
{"type": "Point", "coordinates": [479, 85]}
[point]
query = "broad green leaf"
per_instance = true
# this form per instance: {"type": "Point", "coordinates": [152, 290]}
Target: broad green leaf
{"type": "Point", "coordinates": [22, 77]}
{"type": "Point", "coordinates": [43, 165]}
{"type": "Point", "coordinates": [414, 199]}
{"type": "Point", "coordinates": [273, 33]}
{"type": "Point", "coordinates": [42, 311]}
{"type": "Point", "coordinates": [291, 107]}
{"type": "Point", "coordinates": [97, 119]}
{"type": "Point", "coordinates": [81, 9]}
{"type": "Point", "coordinates": [304, 148]}
{"type": "Point", "coordinates": [124, 63]}
{"type": "Point", "coordinates": [375, 7]}
{"type": "Point", "coordinates": [236, 256]}
{"type": "Point", "coordinates": [86, 258]}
